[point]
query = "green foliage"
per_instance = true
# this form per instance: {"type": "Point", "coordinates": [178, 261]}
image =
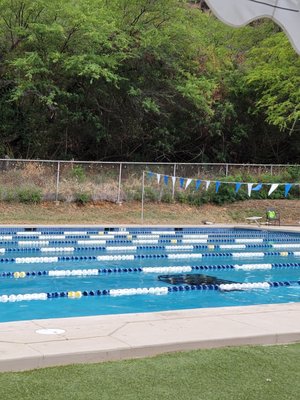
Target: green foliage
{"type": "Point", "coordinates": [226, 195]}
{"type": "Point", "coordinates": [29, 195]}
{"type": "Point", "coordinates": [78, 173]}
{"type": "Point", "coordinates": [8, 195]}
{"type": "Point", "coordinates": [82, 198]}
{"type": "Point", "coordinates": [293, 174]}
{"type": "Point", "coordinates": [167, 197]}
{"type": "Point", "coordinates": [149, 194]}
{"type": "Point", "coordinates": [274, 73]}
{"type": "Point", "coordinates": [136, 80]}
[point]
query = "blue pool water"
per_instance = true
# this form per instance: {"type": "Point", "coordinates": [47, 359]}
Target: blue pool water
{"type": "Point", "coordinates": [97, 265]}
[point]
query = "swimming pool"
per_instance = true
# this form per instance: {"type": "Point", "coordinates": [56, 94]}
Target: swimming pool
{"type": "Point", "coordinates": [64, 272]}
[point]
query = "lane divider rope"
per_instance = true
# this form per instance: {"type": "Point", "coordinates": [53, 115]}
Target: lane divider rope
{"type": "Point", "coordinates": [146, 270]}
{"type": "Point", "coordinates": [143, 291]}
{"type": "Point", "coordinates": [29, 260]}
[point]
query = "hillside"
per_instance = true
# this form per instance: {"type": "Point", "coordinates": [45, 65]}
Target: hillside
{"type": "Point", "coordinates": [144, 80]}
{"type": "Point", "coordinates": [130, 213]}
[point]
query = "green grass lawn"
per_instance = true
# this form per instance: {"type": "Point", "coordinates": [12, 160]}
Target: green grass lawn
{"type": "Point", "coordinates": [241, 373]}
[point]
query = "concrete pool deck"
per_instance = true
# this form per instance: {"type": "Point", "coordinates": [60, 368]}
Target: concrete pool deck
{"type": "Point", "coordinates": [115, 337]}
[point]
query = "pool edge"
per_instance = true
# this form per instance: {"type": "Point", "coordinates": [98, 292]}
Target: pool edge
{"type": "Point", "coordinates": [124, 336]}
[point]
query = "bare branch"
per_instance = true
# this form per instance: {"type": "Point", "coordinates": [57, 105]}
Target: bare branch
{"type": "Point", "coordinates": [68, 38]}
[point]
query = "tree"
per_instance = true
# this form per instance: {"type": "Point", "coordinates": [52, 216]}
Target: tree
{"type": "Point", "coordinates": [142, 80]}
{"type": "Point", "coordinates": [274, 73]}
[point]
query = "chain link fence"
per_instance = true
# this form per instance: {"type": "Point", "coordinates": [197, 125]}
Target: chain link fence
{"type": "Point", "coordinates": [71, 181]}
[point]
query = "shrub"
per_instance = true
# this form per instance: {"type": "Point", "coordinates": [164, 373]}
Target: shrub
{"type": "Point", "coordinates": [294, 173]}
{"type": "Point", "coordinates": [29, 195]}
{"type": "Point", "coordinates": [78, 173]}
{"type": "Point", "coordinates": [82, 198]}
{"type": "Point", "coordinates": [135, 194]}
{"type": "Point", "coordinates": [181, 197]}
{"type": "Point", "coordinates": [167, 197]}
{"type": "Point", "coordinates": [9, 196]}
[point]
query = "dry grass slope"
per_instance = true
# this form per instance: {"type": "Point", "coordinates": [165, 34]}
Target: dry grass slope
{"type": "Point", "coordinates": [155, 213]}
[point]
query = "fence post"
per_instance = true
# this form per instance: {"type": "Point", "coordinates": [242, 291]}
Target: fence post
{"type": "Point", "coordinates": [120, 183]}
{"type": "Point", "coordinates": [173, 189]}
{"type": "Point", "coordinates": [271, 171]}
{"type": "Point", "coordinates": [143, 191]}
{"type": "Point", "coordinates": [57, 180]}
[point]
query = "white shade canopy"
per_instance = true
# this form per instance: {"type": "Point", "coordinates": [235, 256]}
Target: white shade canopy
{"type": "Point", "coordinates": [285, 13]}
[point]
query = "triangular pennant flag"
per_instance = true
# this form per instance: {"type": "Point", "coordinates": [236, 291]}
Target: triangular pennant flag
{"type": "Point", "coordinates": [257, 187]}
{"type": "Point", "coordinates": [287, 188]}
{"type": "Point", "coordinates": [217, 186]}
{"type": "Point", "coordinates": [249, 188]}
{"type": "Point", "coordinates": [173, 181]}
{"type": "Point", "coordinates": [237, 186]}
{"type": "Point", "coordinates": [158, 178]}
{"type": "Point", "coordinates": [198, 183]}
{"type": "Point", "coordinates": [207, 183]}
{"type": "Point", "coordinates": [166, 179]}
{"type": "Point", "coordinates": [181, 182]}
{"type": "Point", "coordinates": [273, 187]}
{"type": "Point", "coordinates": [150, 174]}
{"type": "Point", "coordinates": [188, 182]}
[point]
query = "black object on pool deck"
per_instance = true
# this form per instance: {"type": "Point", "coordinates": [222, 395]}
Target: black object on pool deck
{"type": "Point", "coordinates": [192, 279]}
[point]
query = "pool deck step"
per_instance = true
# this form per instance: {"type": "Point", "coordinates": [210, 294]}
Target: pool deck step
{"type": "Point", "coordinates": [115, 337]}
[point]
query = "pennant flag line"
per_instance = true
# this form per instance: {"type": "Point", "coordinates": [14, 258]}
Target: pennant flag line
{"type": "Point", "coordinates": [184, 183]}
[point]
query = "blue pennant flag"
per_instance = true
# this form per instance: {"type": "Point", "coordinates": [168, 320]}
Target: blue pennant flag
{"type": "Point", "coordinates": [257, 187]}
{"type": "Point", "coordinates": [198, 183]}
{"type": "Point", "coordinates": [166, 179]}
{"type": "Point", "coordinates": [237, 186]}
{"type": "Point", "coordinates": [150, 174]}
{"type": "Point", "coordinates": [287, 188]}
{"type": "Point", "coordinates": [181, 182]}
{"type": "Point", "coordinates": [218, 183]}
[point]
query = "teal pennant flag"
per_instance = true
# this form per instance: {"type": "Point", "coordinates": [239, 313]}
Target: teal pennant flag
{"type": "Point", "coordinates": [198, 183]}
{"type": "Point", "coordinates": [257, 187]}
{"type": "Point", "coordinates": [150, 174]}
{"type": "Point", "coordinates": [287, 188]}
{"type": "Point", "coordinates": [237, 186]}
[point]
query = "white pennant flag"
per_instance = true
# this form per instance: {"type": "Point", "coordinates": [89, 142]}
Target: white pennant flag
{"type": "Point", "coordinates": [249, 188]}
{"type": "Point", "coordinates": [286, 13]}
{"type": "Point", "coordinates": [158, 178]}
{"type": "Point", "coordinates": [207, 183]}
{"type": "Point", "coordinates": [273, 187]}
{"type": "Point", "coordinates": [173, 181]}
{"type": "Point", "coordinates": [188, 182]}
